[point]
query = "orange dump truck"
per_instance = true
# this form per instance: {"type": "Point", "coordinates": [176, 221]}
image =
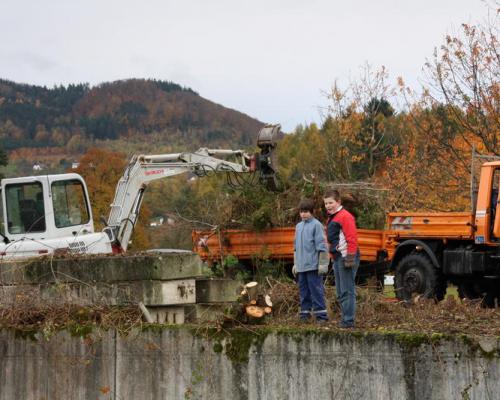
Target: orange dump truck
{"type": "Point", "coordinates": [277, 244]}
{"type": "Point", "coordinates": [460, 248]}
{"type": "Point", "coordinates": [426, 251]}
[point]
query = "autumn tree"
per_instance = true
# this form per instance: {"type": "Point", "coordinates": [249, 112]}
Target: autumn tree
{"type": "Point", "coordinates": [360, 127]}
{"type": "Point", "coordinates": [464, 74]}
{"type": "Point", "coordinates": [303, 154]}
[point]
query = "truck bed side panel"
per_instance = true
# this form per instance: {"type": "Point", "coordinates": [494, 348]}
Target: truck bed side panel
{"type": "Point", "coordinates": [432, 225]}
{"type": "Point", "coordinates": [275, 243]}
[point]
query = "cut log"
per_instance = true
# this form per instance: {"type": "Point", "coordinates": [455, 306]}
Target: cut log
{"type": "Point", "coordinates": [268, 301]}
{"type": "Point", "coordinates": [255, 311]}
{"type": "Point", "coordinates": [268, 310]}
{"type": "Point", "coordinates": [251, 288]}
{"type": "Point", "coordinates": [253, 302]}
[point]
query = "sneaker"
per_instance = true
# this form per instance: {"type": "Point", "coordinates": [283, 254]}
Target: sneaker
{"type": "Point", "coordinates": [346, 326]}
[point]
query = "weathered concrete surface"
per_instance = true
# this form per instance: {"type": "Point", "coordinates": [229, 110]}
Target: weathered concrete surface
{"type": "Point", "coordinates": [151, 293]}
{"type": "Point", "coordinates": [168, 314]}
{"type": "Point", "coordinates": [189, 363]}
{"type": "Point", "coordinates": [191, 313]}
{"type": "Point", "coordinates": [182, 291]}
{"type": "Point", "coordinates": [208, 312]}
{"type": "Point", "coordinates": [63, 367]}
{"type": "Point", "coordinates": [115, 268]}
{"type": "Point", "coordinates": [217, 290]}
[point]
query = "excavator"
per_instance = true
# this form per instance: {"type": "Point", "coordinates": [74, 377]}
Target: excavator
{"type": "Point", "coordinates": [51, 214]}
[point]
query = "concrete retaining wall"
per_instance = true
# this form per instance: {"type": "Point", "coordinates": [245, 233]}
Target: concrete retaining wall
{"type": "Point", "coordinates": [195, 363]}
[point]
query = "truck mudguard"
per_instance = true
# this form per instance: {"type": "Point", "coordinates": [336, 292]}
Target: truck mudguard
{"type": "Point", "coordinates": [407, 246]}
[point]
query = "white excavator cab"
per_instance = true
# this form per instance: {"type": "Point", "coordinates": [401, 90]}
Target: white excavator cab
{"type": "Point", "coordinates": [42, 214]}
{"type": "Point", "coordinates": [48, 206]}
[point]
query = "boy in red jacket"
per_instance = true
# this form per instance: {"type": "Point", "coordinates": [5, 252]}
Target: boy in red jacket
{"type": "Point", "coordinates": [343, 247]}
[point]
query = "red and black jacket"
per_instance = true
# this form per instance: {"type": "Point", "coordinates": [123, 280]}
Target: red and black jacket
{"type": "Point", "coordinates": [341, 221]}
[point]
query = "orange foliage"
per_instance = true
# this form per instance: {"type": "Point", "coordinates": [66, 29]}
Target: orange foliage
{"type": "Point", "coordinates": [429, 171]}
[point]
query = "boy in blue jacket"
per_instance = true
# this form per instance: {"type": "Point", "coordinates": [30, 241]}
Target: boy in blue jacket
{"type": "Point", "coordinates": [310, 262]}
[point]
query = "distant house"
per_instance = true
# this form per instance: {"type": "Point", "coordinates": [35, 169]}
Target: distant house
{"type": "Point", "coordinates": [156, 221]}
{"type": "Point", "coordinates": [38, 166]}
{"type": "Point", "coordinates": [75, 165]}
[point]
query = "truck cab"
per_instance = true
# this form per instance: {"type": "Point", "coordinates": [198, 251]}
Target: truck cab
{"type": "Point", "coordinates": [434, 249]}
{"type": "Point", "coordinates": [487, 215]}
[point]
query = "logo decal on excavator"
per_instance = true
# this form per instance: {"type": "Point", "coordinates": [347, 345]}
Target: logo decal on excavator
{"type": "Point", "coordinates": [154, 172]}
{"type": "Point", "coordinates": [78, 247]}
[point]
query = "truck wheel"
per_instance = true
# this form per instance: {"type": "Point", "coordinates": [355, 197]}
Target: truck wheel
{"type": "Point", "coordinates": [415, 274]}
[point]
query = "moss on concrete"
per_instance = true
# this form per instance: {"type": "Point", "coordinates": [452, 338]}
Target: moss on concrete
{"type": "Point", "coordinates": [29, 334]}
{"type": "Point", "coordinates": [475, 347]}
{"type": "Point", "coordinates": [218, 347]}
{"type": "Point", "coordinates": [237, 342]}
{"type": "Point", "coordinates": [80, 330]}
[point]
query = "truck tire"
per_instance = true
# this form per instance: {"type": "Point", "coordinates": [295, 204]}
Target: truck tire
{"type": "Point", "coordinates": [415, 274]}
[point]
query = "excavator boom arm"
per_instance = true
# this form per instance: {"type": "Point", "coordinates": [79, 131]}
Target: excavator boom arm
{"type": "Point", "coordinates": [146, 168]}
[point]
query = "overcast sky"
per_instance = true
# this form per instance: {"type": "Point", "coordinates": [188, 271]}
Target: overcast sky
{"type": "Point", "coordinates": [270, 59]}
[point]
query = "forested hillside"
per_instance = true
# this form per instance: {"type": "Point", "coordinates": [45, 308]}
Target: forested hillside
{"type": "Point", "coordinates": [74, 116]}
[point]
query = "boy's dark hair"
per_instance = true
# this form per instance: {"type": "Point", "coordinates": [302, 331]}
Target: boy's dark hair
{"type": "Point", "coordinates": [306, 205]}
{"type": "Point", "coordinates": [333, 193]}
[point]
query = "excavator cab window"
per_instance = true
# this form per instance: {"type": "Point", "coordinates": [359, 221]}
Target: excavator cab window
{"type": "Point", "coordinates": [25, 208]}
{"type": "Point", "coordinates": [70, 204]}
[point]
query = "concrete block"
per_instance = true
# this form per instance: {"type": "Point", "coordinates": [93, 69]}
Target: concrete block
{"type": "Point", "coordinates": [217, 290]}
{"type": "Point", "coordinates": [167, 314]}
{"type": "Point", "coordinates": [200, 313]}
{"type": "Point", "coordinates": [116, 268]}
{"type": "Point", "coordinates": [149, 292]}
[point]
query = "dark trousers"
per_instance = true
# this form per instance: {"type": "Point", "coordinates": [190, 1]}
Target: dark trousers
{"type": "Point", "coordinates": [312, 295]}
{"type": "Point", "coordinates": [346, 289]}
